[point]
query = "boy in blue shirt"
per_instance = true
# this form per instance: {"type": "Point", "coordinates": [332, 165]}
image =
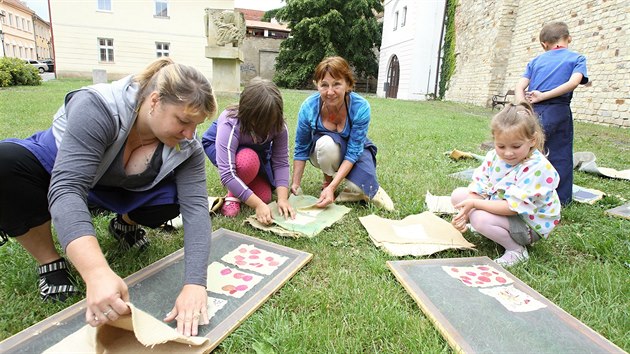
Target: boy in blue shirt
{"type": "Point", "coordinates": [548, 84]}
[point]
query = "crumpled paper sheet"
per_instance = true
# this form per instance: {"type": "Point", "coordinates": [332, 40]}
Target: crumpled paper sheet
{"type": "Point", "coordinates": [457, 155]}
{"type": "Point", "coordinates": [416, 235]}
{"type": "Point", "coordinates": [137, 332]}
{"type": "Point", "coordinates": [585, 161]}
{"type": "Point", "coordinates": [310, 220]}
{"type": "Point", "coordinates": [439, 204]}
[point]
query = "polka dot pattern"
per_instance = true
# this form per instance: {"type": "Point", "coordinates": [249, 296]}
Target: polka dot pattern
{"type": "Point", "coordinates": [528, 187]}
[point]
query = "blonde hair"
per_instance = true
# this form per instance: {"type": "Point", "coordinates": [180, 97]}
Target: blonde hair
{"type": "Point", "coordinates": [520, 119]}
{"type": "Point", "coordinates": [260, 109]}
{"type": "Point", "coordinates": [553, 32]}
{"type": "Point", "coordinates": [177, 84]}
{"type": "Point", "coordinates": [337, 67]}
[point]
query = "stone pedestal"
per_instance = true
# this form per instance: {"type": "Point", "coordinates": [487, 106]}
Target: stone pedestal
{"type": "Point", "coordinates": [225, 31]}
{"type": "Point", "coordinates": [99, 76]}
{"type": "Point", "coordinates": [226, 68]}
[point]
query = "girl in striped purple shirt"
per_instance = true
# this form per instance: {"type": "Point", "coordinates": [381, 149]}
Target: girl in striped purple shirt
{"type": "Point", "coordinates": [249, 145]}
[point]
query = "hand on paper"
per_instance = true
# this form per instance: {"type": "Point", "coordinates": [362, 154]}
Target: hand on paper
{"type": "Point", "coordinates": [106, 297]}
{"type": "Point", "coordinates": [285, 209]}
{"type": "Point", "coordinates": [326, 197]}
{"type": "Point", "coordinates": [190, 310]}
{"type": "Point", "coordinates": [296, 189]}
{"type": "Point", "coordinates": [263, 214]}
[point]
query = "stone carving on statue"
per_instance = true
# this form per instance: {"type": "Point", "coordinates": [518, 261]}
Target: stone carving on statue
{"type": "Point", "coordinates": [224, 27]}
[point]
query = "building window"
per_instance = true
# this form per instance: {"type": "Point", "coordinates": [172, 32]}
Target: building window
{"type": "Point", "coordinates": [162, 49]}
{"type": "Point", "coordinates": [24, 25]}
{"type": "Point", "coordinates": [104, 5]}
{"type": "Point", "coordinates": [404, 17]}
{"type": "Point", "coordinates": [395, 20]}
{"type": "Point", "coordinates": [10, 19]}
{"type": "Point", "coordinates": [278, 35]}
{"type": "Point", "coordinates": [161, 8]}
{"type": "Point", "coordinates": [29, 25]}
{"type": "Point", "coordinates": [3, 14]}
{"type": "Point", "coordinates": [255, 32]}
{"type": "Point", "coordinates": [106, 50]}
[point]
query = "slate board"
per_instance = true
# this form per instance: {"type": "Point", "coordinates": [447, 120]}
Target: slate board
{"type": "Point", "coordinates": [155, 288]}
{"type": "Point", "coordinates": [472, 322]}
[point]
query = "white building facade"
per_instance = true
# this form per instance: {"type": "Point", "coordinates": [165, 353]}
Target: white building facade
{"type": "Point", "coordinates": [122, 37]}
{"type": "Point", "coordinates": [410, 49]}
{"type": "Point", "coordinates": [18, 40]}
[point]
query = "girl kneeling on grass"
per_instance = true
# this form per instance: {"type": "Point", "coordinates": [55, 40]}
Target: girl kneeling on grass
{"type": "Point", "coordinates": [249, 145]}
{"type": "Point", "coordinates": [512, 199]}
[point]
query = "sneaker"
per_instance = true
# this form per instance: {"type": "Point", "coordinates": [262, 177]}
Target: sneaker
{"type": "Point", "coordinates": [382, 200]}
{"type": "Point", "coordinates": [129, 236]}
{"type": "Point", "coordinates": [231, 207]}
{"type": "Point", "coordinates": [511, 258]}
{"type": "Point", "coordinates": [347, 196]}
{"type": "Point", "coordinates": [55, 282]}
{"type": "Point", "coordinates": [351, 193]}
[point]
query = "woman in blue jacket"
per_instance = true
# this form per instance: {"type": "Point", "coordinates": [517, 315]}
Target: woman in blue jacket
{"type": "Point", "coordinates": [332, 133]}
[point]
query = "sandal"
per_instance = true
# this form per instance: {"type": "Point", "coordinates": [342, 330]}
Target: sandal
{"type": "Point", "coordinates": [3, 238]}
{"type": "Point", "coordinates": [231, 207]}
{"type": "Point", "coordinates": [214, 204]}
{"type": "Point", "coordinates": [55, 282]}
{"type": "Point", "coordinates": [129, 236]}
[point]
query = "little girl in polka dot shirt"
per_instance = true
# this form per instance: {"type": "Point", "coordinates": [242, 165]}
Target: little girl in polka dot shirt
{"type": "Point", "coordinates": [512, 199]}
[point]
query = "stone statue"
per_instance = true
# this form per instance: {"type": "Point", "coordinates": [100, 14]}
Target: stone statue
{"type": "Point", "coordinates": [224, 27]}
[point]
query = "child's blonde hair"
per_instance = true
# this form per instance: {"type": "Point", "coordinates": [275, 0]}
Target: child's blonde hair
{"type": "Point", "coordinates": [177, 84]}
{"type": "Point", "coordinates": [519, 118]}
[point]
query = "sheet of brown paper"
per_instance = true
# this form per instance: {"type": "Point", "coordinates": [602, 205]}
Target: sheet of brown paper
{"type": "Point", "coordinates": [417, 235]}
{"type": "Point", "coordinates": [457, 155]}
{"type": "Point", "coordinates": [585, 161]}
{"type": "Point", "coordinates": [439, 204]}
{"type": "Point", "coordinates": [137, 332]}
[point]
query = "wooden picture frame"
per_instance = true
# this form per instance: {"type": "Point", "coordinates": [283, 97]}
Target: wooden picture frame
{"type": "Point", "coordinates": [622, 211]}
{"type": "Point", "coordinates": [155, 287]}
{"type": "Point", "coordinates": [472, 322]}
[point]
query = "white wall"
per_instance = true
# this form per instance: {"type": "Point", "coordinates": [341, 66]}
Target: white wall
{"type": "Point", "coordinates": [77, 25]}
{"type": "Point", "coordinates": [416, 44]}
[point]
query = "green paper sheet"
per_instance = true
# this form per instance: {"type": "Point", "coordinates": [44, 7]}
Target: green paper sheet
{"type": "Point", "coordinates": [309, 221]}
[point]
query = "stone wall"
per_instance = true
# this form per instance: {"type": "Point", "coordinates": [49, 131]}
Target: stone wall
{"type": "Point", "coordinates": [259, 57]}
{"type": "Point", "coordinates": [496, 38]}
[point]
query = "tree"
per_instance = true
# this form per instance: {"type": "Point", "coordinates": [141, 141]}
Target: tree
{"type": "Point", "coordinates": [321, 28]}
{"type": "Point", "coordinates": [269, 15]}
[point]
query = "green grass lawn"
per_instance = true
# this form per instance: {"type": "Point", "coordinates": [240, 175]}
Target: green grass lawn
{"type": "Point", "coordinates": [346, 300]}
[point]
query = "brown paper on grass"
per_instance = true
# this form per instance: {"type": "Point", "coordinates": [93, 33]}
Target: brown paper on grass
{"type": "Point", "coordinates": [585, 161]}
{"type": "Point", "coordinates": [457, 155]}
{"type": "Point", "coordinates": [137, 332]}
{"type": "Point", "coordinates": [439, 204]}
{"type": "Point", "coordinates": [416, 235]}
